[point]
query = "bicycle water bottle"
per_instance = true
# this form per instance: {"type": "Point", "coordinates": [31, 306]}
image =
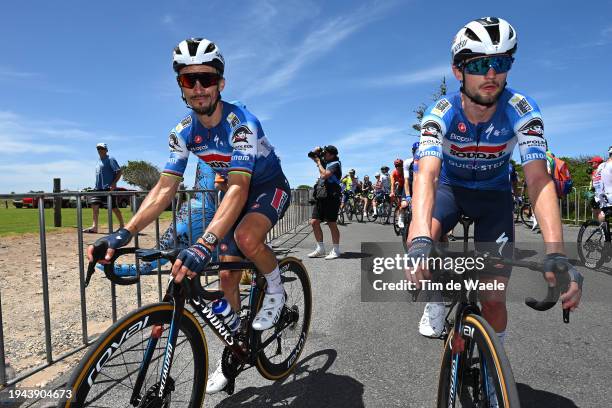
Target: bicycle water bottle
{"type": "Point", "coordinates": [224, 311]}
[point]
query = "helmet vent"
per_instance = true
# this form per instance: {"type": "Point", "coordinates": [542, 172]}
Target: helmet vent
{"type": "Point", "coordinates": [211, 47]}
{"type": "Point", "coordinates": [493, 33]}
{"type": "Point", "coordinates": [192, 46]}
{"type": "Point", "coordinates": [471, 35]}
{"type": "Point", "coordinates": [511, 33]}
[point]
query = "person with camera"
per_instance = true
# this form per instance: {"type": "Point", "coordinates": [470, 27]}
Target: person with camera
{"type": "Point", "coordinates": [327, 196]}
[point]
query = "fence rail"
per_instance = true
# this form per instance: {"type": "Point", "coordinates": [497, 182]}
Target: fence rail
{"type": "Point", "coordinates": [296, 215]}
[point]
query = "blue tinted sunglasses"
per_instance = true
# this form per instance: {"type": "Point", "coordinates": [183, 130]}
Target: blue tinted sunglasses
{"type": "Point", "coordinates": [480, 66]}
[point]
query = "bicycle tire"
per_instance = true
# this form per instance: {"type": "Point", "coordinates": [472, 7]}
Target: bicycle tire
{"type": "Point", "coordinates": [595, 243]}
{"type": "Point", "coordinates": [340, 217]}
{"type": "Point", "coordinates": [359, 211]}
{"type": "Point", "coordinates": [396, 228]}
{"type": "Point", "coordinates": [526, 214]}
{"type": "Point", "coordinates": [478, 335]}
{"type": "Point", "coordinates": [269, 364]}
{"type": "Point", "coordinates": [114, 369]}
{"type": "Point", "coordinates": [349, 211]}
{"type": "Point", "coordinates": [386, 213]}
{"type": "Point", "coordinates": [405, 230]}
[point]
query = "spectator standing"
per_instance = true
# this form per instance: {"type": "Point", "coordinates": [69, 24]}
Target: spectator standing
{"type": "Point", "coordinates": [327, 196]}
{"type": "Point", "coordinates": [108, 174]}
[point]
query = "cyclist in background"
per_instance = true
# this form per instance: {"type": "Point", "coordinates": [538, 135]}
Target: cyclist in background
{"type": "Point", "coordinates": [349, 184]}
{"type": "Point", "coordinates": [397, 185]}
{"type": "Point", "coordinates": [410, 166]}
{"type": "Point", "coordinates": [379, 192]}
{"type": "Point", "coordinates": [231, 140]}
{"type": "Point", "coordinates": [385, 179]}
{"type": "Point", "coordinates": [596, 186]}
{"type": "Point", "coordinates": [605, 197]}
{"type": "Point", "coordinates": [467, 139]}
{"type": "Point", "coordinates": [366, 189]}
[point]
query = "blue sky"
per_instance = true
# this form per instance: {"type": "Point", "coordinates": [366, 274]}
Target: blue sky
{"type": "Point", "coordinates": [348, 73]}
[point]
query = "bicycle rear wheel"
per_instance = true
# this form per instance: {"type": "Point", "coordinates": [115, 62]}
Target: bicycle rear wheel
{"type": "Point", "coordinates": [359, 211]}
{"type": "Point", "coordinates": [340, 217]}
{"type": "Point", "coordinates": [396, 215]}
{"type": "Point", "coordinates": [105, 376]}
{"type": "Point", "coordinates": [591, 244]}
{"type": "Point", "coordinates": [526, 215]}
{"type": "Point", "coordinates": [279, 358]}
{"type": "Point", "coordinates": [349, 210]}
{"type": "Point", "coordinates": [479, 375]}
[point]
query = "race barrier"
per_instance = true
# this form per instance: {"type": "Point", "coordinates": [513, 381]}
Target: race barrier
{"type": "Point", "coordinates": [295, 217]}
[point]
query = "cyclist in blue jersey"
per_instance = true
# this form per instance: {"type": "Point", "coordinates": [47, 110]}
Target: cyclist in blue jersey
{"type": "Point", "coordinates": [231, 140]}
{"type": "Point", "coordinates": [467, 139]}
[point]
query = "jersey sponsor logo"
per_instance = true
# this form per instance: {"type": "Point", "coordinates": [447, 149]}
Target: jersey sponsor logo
{"type": "Point", "coordinates": [432, 129]}
{"type": "Point", "coordinates": [241, 134]}
{"type": "Point", "coordinates": [198, 139]}
{"type": "Point", "coordinates": [173, 142]}
{"type": "Point", "coordinates": [243, 147]}
{"type": "Point", "coordinates": [233, 120]}
{"type": "Point", "coordinates": [534, 156]}
{"type": "Point", "coordinates": [520, 105]}
{"type": "Point", "coordinates": [441, 107]}
{"type": "Point", "coordinates": [217, 164]}
{"type": "Point", "coordinates": [540, 142]}
{"type": "Point", "coordinates": [478, 152]}
{"type": "Point", "coordinates": [279, 200]}
{"type": "Point", "coordinates": [240, 158]}
{"type": "Point", "coordinates": [186, 122]}
{"type": "Point", "coordinates": [534, 127]}
{"type": "Point", "coordinates": [462, 139]}
{"type": "Point", "coordinates": [461, 126]}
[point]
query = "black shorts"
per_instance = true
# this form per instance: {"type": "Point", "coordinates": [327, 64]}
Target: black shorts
{"type": "Point", "coordinates": [326, 209]}
{"type": "Point", "coordinates": [102, 200]}
{"type": "Point", "coordinates": [492, 212]}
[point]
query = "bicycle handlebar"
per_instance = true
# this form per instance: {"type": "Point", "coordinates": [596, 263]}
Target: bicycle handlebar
{"type": "Point", "coordinates": [553, 292]}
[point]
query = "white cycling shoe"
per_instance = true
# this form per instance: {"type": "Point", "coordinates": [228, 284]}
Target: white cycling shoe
{"type": "Point", "coordinates": [217, 381]}
{"type": "Point", "coordinates": [270, 311]}
{"type": "Point", "coordinates": [432, 322]}
{"type": "Point", "coordinates": [318, 252]}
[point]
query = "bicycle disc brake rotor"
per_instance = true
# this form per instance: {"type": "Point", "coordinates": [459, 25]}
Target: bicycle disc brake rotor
{"type": "Point", "coordinates": [152, 400]}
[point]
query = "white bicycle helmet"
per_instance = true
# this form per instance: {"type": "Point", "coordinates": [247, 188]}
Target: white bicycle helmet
{"type": "Point", "coordinates": [196, 51]}
{"type": "Point", "coordinates": [484, 36]}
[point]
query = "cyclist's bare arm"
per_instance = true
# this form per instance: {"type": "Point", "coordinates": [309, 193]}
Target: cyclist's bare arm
{"type": "Point", "coordinates": [153, 205]}
{"type": "Point", "coordinates": [407, 186]}
{"type": "Point", "coordinates": [543, 197]}
{"type": "Point", "coordinates": [424, 189]}
{"type": "Point", "coordinates": [542, 194]}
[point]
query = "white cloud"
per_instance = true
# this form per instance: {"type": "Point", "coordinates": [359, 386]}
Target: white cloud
{"type": "Point", "coordinates": [315, 44]}
{"type": "Point", "coordinates": [10, 74]}
{"type": "Point", "coordinates": [431, 74]}
{"type": "Point", "coordinates": [578, 121]}
{"type": "Point", "coordinates": [168, 19]}
{"type": "Point", "coordinates": [367, 137]}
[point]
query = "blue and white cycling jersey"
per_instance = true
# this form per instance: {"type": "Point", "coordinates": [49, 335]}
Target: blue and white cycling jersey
{"type": "Point", "coordinates": [477, 156]}
{"type": "Point", "coordinates": [236, 145]}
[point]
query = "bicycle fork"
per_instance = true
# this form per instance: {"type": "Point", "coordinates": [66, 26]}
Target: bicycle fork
{"type": "Point", "coordinates": [178, 300]}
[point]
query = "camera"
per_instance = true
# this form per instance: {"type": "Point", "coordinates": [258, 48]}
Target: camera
{"type": "Point", "coordinates": [316, 152]}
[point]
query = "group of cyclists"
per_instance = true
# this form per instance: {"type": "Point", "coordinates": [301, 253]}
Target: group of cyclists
{"type": "Point", "coordinates": [394, 187]}
{"type": "Point", "coordinates": [466, 141]}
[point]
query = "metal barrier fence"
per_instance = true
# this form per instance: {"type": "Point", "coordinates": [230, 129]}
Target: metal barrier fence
{"type": "Point", "coordinates": [575, 208]}
{"type": "Point", "coordinates": [296, 215]}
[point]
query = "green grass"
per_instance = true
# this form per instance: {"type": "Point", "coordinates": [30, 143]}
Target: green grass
{"type": "Point", "coordinates": [15, 221]}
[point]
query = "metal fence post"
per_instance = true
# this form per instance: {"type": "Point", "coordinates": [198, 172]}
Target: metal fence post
{"type": "Point", "coordinates": [57, 203]}
{"type": "Point", "coordinates": [45, 277]}
{"type": "Point", "coordinates": [81, 269]}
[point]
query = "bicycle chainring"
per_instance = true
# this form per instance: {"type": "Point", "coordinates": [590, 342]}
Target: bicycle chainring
{"type": "Point", "coordinates": [230, 365]}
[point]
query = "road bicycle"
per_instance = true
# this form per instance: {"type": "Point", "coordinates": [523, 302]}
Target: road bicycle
{"type": "Point", "coordinates": [475, 371]}
{"type": "Point", "coordinates": [158, 355]}
{"type": "Point", "coordinates": [595, 242]}
{"type": "Point", "coordinates": [383, 210]}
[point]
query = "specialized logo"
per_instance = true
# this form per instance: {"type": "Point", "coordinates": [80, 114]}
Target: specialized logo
{"type": "Point", "coordinates": [173, 142]}
{"type": "Point", "coordinates": [241, 134]}
{"type": "Point", "coordinates": [534, 127]}
{"type": "Point", "coordinates": [502, 241]}
{"type": "Point", "coordinates": [441, 107]}
{"type": "Point", "coordinates": [488, 131]}
{"type": "Point", "coordinates": [461, 126]}
{"type": "Point", "coordinates": [431, 128]}
{"type": "Point", "coordinates": [166, 370]}
{"type": "Point", "coordinates": [520, 105]}
{"type": "Point", "coordinates": [478, 152]}
{"type": "Point", "coordinates": [233, 120]}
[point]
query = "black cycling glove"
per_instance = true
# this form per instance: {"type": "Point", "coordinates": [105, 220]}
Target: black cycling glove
{"type": "Point", "coordinates": [554, 261]}
{"type": "Point", "coordinates": [117, 239]}
{"type": "Point", "coordinates": [196, 257]}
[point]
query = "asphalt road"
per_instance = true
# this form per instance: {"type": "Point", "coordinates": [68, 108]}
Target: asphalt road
{"type": "Point", "coordinates": [369, 354]}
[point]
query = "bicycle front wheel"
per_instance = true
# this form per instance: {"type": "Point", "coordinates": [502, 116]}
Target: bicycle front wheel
{"type": "Point", "coordinates": [279, 358]}
{"type": "Point", "coordinates": [106, 375]}
{"type": "Point", "coordinates": [526, 215]}
{"type": "Point", "coordinates": [478, 374]}
{"type": "Point", "coordinates": [359, 211]}
{"type": "Point", "coordinates": [591, 244]}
